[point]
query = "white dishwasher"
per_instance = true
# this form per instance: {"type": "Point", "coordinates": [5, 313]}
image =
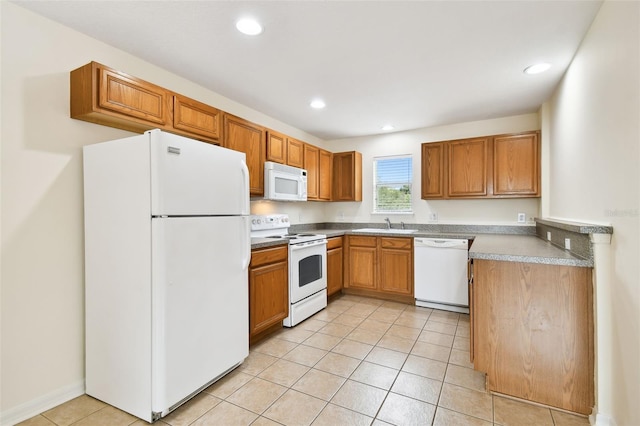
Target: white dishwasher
{"type": "Point", "coordinates": [440, 273]}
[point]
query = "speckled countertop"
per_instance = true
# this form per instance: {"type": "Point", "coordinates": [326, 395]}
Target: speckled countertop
{"type": "Point", "coordinates": [520, 248]}
{"type": "Point", "coordinates": [504, 247]}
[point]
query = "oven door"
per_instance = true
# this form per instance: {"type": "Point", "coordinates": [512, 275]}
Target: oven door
{"type": "Point", "coordinates": [307, 269]}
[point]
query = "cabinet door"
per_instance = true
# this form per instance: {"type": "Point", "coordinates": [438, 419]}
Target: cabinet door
{"type": "Point", "coordinates": [268, 296]}
{"type": "Point", "coordinates": [324, 175]}
{"type": "Point", "coordinates": [433, 170]}
{"type": "Point", "coordinates": [395, 266]}
{"type": "Point", "coordinates": [196, 118]}
{"type": "Point", "coordinates": [132, 97]}
{"type": "Point", "coordinates": [334, 271]}
{"type": "Point", "coordinates": [244, 136]}
{"type": "Point", "coordinates": [311, 164]}
{"type": "Point", "coordinates": [467, 165]}
{"type": "Point", "coordinates": [347, 176]}
{"type": "Point", "coordinates": [276, 147]}
{"type": "Point", "coordinates": [362, 270]}
{"type": "Point", "coordinates": [516, 165]}
{"type": "Point", "coordinates": [295, 153]}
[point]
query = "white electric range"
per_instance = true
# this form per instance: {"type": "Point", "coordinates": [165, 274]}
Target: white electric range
{"type": "Point", "coordinates": [307, 265]}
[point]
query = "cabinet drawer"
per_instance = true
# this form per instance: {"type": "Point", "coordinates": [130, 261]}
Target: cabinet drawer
{"type": "Point", "coordinates": [356, 240]}
{"type": "Point", "coordinates": [334, 242]}
{"type": "Point", "coordinates": [396, 243]}
{"type": "Point", "coordinates": [265, 256]}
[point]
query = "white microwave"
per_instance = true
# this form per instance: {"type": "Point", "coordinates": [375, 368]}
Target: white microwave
{"type": "Point", "coordinates": [284, 183]}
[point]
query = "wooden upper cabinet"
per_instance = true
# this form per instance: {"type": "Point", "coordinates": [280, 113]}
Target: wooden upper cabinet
{"type": "Point", "coordinates": [295, 153]}
{"type": "Point", "coordinates": [196, 118]}
{"type": "Point", "coordinates": [499, 166]}
{"type": "Point", "coordinates": [312, 165]}
{"type": "Point", "coordinates": [516, 165]}
{"type": "Point", "coordinates": [244, 136]}
{"type": "Point", "coordinates": [324, 177]}
{"type": "Point", "coordinates": [467, 167]}
{"type": "Point", "coordinates": [276, 147]}
{"type": "Point", "coordinates": [105, 96]}
{"type": "Point", "coordinates": [433, 170]}
{"type": "Point", "coordinates": [112, 98]}
{"type": "Point", "coordinates": [347, 176]}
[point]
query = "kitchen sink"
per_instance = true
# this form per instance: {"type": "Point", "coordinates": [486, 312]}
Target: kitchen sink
{"type": "Point", "coordinates": [386, 231]}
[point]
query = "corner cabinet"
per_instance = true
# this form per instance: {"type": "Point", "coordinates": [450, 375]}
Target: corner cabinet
{"type": "Point", "coordinates": [112, 98]}
{"type": "Point", "coordinates": [244, 136]}
{"type": "Point", "coordinates": [334, 265]}
{"type": "Point", "coordinates": [532, 331]}
{"type": "Point", "coordinates": [347, 176]}
{"type": "Point", "coordinates": [268, 290]}
{"type": "Point", "coordinates": [379, 267]}
{"type": "Point", "coordinates": [499, 166]}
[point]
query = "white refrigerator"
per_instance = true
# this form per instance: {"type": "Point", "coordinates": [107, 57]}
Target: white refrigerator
{"type": "Point", "coordinates": [167, 250]}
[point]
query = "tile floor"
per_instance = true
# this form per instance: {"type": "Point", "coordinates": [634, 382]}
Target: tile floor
{"type": "Point", "coordinates": [361, 361]}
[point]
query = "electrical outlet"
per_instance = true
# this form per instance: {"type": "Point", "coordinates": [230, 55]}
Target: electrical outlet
{"type": "Point", "coordinates": [549, 235]}
{"type": "Point", "coordinates": [567, 243]}
{"type": "Point", "coordinates": [433, 217]}
{"type": "Point", "coordinates": [522, 218]}
{"type": "Point", "coordinates": [341, 216]}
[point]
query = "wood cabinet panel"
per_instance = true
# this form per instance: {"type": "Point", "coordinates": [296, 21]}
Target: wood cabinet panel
{"type": "Point", "coordinates": [324, 177]}
{"type": "Point", "coordinates": [347, 176]}
{"type": "Point", "coordinates": [276, 147]}
{"type": "Point", "coordinates": [197, 118]}
{"type": "Point", "coordinates": [244, 136]}
{"type": "Point", "coordinates": [268, 290]}
{"type": "Point", "coordinates": [132, 97]}
{"type": "Point", "coordinates": [362, 267]}
{"type": "Point", "coordinates": [334, 265]}
{"type": "Point", "coordinates": [295, 153]}
{"type": "Point", "coordinates": [533, 332]}
{"type": "Point", "coordinates": [312, 165]}
{"type": "Point", "coordinates": [433, 170]}
{"type": "Point", "coordinates": [516, 164]}
{"type": "Point", "coordinates": [396, 271]}
{"type": "Point", "coordinates": [467, 167]}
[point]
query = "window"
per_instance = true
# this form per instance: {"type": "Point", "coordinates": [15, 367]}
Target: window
{"type": "Point", "coordinates": [392, 177]}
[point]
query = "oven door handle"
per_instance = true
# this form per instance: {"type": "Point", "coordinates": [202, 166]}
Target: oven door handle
{"type": "Point", "coordinates": [302, 246]}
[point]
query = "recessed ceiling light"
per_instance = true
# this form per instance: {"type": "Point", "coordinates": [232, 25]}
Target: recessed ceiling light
{"type": "Point", "coordinates": [317, 104]}
{"type": "Point", "coordinates": [387, 127]}
{"type": "Point", "coordinates": [537, 68]}
{"type": "Point", "coordinates": [249, 26]}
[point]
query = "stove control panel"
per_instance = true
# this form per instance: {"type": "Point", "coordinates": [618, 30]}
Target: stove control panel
{"type": "Point", "coordinates": [269, 221]}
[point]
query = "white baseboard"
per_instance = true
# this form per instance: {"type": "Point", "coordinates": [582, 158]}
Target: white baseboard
{"type": "Point", "coordinates": [43, 403]}
{"type": "Point", "coordinates": [597, 419]}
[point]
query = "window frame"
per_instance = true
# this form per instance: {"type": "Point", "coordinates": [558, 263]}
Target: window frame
{"type": "Point", "coordinates": [375, 207]}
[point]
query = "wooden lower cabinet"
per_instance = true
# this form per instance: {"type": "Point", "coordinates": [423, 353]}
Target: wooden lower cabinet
{"type": "Point", "coordinates": [334, 265]}
{"type": "Point", "coordinates": [533, 332]}
{"type": "Point", "coordinates": [268, 290]}
{"type": "Point", "coordinates": [379, 267]}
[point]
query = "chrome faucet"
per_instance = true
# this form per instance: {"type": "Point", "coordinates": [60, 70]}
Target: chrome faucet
{"type": "Point", "coordinates": [388, 222]}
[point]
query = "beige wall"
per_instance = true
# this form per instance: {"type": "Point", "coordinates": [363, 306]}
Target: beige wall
{"type": "Point", "coordinates": [594, 119]}
{"type": "Point", "coordinates": [41, 175]}
{"type": "Point", "coordinates": [448, 211]}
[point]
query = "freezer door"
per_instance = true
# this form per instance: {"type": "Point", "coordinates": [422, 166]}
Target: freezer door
{"type": "Point", "coordinates": [190, 177]}
{"type": "Point", "coordinates": [200, 319]}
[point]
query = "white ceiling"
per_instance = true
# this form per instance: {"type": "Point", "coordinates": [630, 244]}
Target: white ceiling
{"type": "Point", "coordinates": [412, 64]}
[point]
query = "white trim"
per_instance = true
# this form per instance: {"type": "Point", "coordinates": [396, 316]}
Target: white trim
{"type": "Point", "coordinates": [602, 420]}
{"type": "Point", "coordinates": [41, 404]}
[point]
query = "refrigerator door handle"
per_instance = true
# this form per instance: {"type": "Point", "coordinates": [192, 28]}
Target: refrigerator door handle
{"type": "Point", "coordinates": [246, 237]}
{"type": "Point", "coordinates": [246, 209]}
